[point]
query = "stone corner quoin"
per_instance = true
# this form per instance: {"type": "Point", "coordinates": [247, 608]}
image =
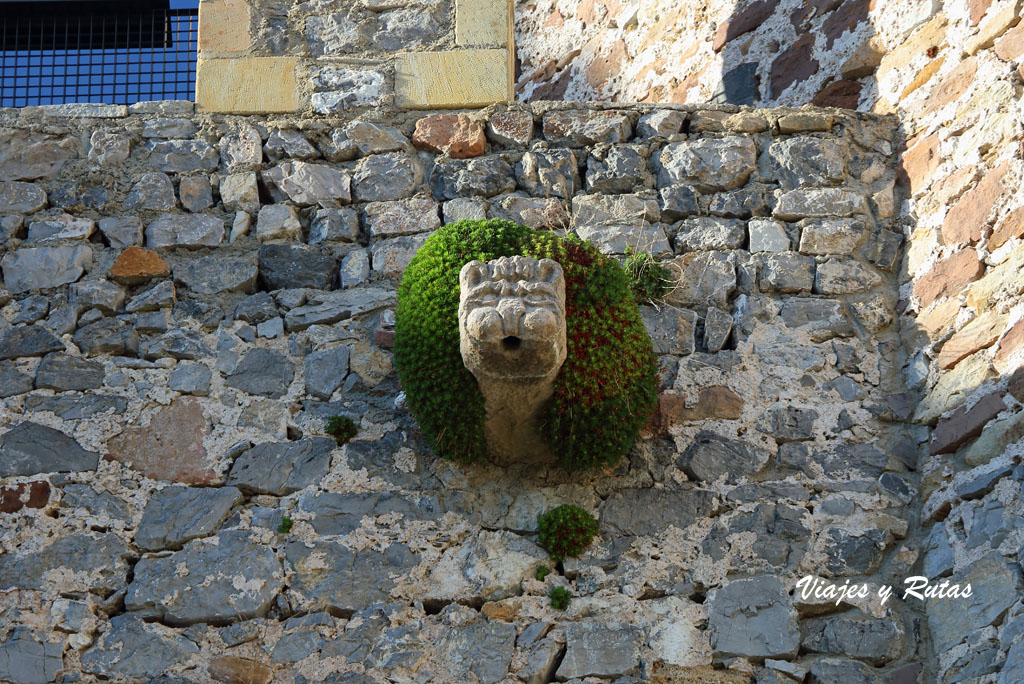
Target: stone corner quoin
{"type": "Point", "coordinates": [409, 58]}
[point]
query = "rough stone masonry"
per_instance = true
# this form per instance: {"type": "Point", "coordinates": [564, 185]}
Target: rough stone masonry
{"type": "Point", "coordinates": [187, 297]}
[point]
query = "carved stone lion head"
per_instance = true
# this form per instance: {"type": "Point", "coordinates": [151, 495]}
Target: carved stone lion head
{"type": "Point", "coordinates": [512, 318]}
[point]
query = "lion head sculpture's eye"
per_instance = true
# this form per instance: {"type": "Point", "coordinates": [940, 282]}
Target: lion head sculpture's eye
{"type": "Point", "coordinates": [484, 323]}
{"type": "Point", "coordinates": [540, 323]}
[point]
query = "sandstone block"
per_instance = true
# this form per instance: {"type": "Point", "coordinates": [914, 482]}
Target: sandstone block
{"type": "Point", "coordinates": [224, 26]}
{"type": "Point", "coordinates": [920, 161]}
{"type": "Point", "coordinates": [1011, 45]}
{"type": "Point", "coordinates": [248, 85]}
{"type": "Point", "coordinates": [482, 23]}
{"type": "Point", "coordinates": [994, 26]}
{"type": "Point", "coordinates": [713, 403]}
{"type": "Point", "coordinates": [803, 122]}
{"type": "Point", "coordinates": [1009, 227]}
{"type": "Point", "coordinates": [452, 79]}
{"type": "Point", "coordinates": [953, 387]}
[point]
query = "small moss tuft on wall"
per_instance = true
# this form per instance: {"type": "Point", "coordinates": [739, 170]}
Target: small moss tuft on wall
{"type": "Point", "coordinates": [608, 384]}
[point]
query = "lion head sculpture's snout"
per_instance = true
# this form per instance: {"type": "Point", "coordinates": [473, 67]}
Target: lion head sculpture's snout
{"type": "Point", "coordinates": [512, 317]}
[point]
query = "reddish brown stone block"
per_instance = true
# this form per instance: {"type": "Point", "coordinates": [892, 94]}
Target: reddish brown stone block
{"type": "Point", "coordinates": [606, 66]}
{"type": "Point", "coordinates": [966, 221]}
{"type": "Point", "coordinates": [171, 447]}
{"type": "Point", "coordinates": [1009, 227]}
{"type": "Point", "coordinates": [948, 276]}
{"type": "Point", "coordinates": [135, 266]}
{"type": "Point", "coordinates": [841, 94]}
{"type": "Point", "coordinates": [1011, 342]}
{"type": "Point", "coordinates": [385, 339]}
{"type": "Point", "coordinates": [555, 90]}
{"type": "Point", "coordinates": [950, 88]}
{"type": "Point", "coordinates": [456, 134]}
{"type": "Point", "coordinates": [981, 333]}
{"type": "Point", "coordinates": [746, 20]}
{"type": "Point", "coordinates": [13, 499]}
{"type": "Point", "coordinates": [849, 15]}
{"type": "Point", "coordinates": [977, 9]}
{"type": "Point", "coordinates": [965, 424]}
{"type": "Point", "coordinates": [920, 161]}
{"type": "Point", "coordinates": [795, 64]}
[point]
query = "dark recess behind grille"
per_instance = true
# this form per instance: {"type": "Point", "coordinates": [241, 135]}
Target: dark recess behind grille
{"type": "Point", "coordinates": [112, 51]}
{"type": "Point", "coordinates": [83, 25]}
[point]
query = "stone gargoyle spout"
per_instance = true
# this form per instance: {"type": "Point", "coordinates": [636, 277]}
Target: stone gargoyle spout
{"type": "Point", "coordinates": [512, 338]}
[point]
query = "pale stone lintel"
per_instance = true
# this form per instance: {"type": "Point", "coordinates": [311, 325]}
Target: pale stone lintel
{"type": "Point", "coordinates": [453, 79]}
{"type": "Point", "coordinates": [224, 26]}
{"type": "Point", "coordinates": [482, 23]}
{"type": "Point", "coordinates": [248, 85]}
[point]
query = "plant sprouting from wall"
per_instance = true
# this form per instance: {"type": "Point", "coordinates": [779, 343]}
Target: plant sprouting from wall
{"type": "Point", "coordinates": [566, 531]}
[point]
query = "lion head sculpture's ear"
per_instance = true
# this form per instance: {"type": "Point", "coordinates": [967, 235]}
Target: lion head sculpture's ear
{"type": "Point", "coordinates": [548, 271]}
{"type": "Point", "coordinates": [472, 274]}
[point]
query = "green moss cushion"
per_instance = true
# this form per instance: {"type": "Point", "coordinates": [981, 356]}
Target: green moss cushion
{"type": "Point", "coordinates": [608, 384]}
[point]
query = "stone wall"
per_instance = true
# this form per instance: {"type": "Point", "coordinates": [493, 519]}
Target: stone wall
{"type": "Point", "coordinates": [762, 53]}
{"type": "Point", "coordinates": [956, 83]}
{"type": "Point", "coordinates": [952, 72]}
{"type": "Point", "coordinates": [187, 297]}
{"type": "Point", "coordinates": [261, 56]}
